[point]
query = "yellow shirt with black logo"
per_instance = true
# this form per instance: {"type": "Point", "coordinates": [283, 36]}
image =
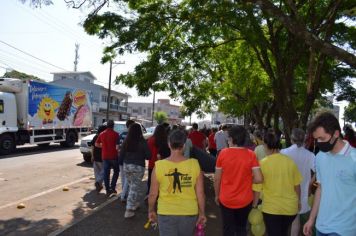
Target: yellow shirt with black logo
{"type": "Point", "coordinates": [177, 187]}
{"type": "Point", "coordinates": [280, 176]}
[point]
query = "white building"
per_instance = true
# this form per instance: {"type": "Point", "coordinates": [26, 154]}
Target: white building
{"type": "Point", "coordinates": [143, 111]}
{"type": "Point", "coordinates": [220, 118]}
{"type": "Point", "coordinates": [85, 80]}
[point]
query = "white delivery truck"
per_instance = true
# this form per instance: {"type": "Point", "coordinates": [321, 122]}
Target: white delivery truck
{"type": "Point", "coordinates": [39, 113]}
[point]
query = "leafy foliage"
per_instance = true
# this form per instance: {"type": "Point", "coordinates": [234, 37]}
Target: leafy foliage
{"type": "Point", "coordinates": [160, 117]}
{"type": "Point", "coordinates": [20, 75]}
{"type": "Point", "coordinates": [350, 112]}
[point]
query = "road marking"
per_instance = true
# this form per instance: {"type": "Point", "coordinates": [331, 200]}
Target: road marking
{"type": "Point", "coordinates": [43, 193]}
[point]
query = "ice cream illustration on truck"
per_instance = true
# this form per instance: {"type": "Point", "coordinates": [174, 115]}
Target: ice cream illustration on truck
{"type": "Point", "coordinates": [64, 109]}
{"type": "Point", "coordinates": [83, 114]}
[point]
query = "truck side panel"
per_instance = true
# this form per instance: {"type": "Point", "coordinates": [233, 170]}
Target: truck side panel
{"type": "Point", "coordinates": [52, 106]}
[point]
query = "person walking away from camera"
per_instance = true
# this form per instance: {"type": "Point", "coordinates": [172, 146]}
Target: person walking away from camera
{"type": "Point", "coordinates": [198, 138]}
{"type": "Point", "coordinates": [236, 169]}
{"type": "Point", "coordinates": [134, 152]}
{"type": "Point", "coordinates": [212, 143]}
{"type": "Point", "coordinates": [350, 135]}
{"type": "Point", "coordinates": [107, 141]}
{"type": "Point", "coordinates": [97, 161]}
{"type": "Point", "coordinates": [305, 161]}
{"type": "Point", "coordinates": [158, 145]}
{"type": "Point", "coordinates": [280, 188]}
{"type": "Point", "coordinates": [124, 184]}
{"type": "Point", "coordinates": [221, 138]}
{"type": "Point", "coordinates": [335, 197]}
{"type": "Point", "coordinates": [177, 182]}
{"type": "Point", "coordinates": [259, 149]}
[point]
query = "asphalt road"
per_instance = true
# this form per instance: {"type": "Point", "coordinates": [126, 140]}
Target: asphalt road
{"type": "Point", "coordinates": [36, 177]}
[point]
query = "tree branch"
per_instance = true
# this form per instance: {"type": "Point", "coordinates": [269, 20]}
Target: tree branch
{"type": "Point", "coordinates": [301, 32]}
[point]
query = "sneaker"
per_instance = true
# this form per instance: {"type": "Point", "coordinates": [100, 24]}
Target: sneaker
{"type": "Point", "coordinates": [129, 214]}
{"type": "Point", "coordinates": [98, 187]}
{"type": "Point", "coordinates": [137, 205]}
{"type": "Point", "coordinates": [110, 193]}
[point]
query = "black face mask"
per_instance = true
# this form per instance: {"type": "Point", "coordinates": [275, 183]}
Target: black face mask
{"type": "Point", "coordinates": [326, 146]}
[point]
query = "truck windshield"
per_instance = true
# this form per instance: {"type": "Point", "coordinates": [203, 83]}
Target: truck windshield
{"type": "Point", "coordinates": [1, 106]}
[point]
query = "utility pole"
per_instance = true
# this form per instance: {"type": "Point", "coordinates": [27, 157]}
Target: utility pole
{"type": "Point", "coordinates": [76, 57]}
{"type": "Point", "coordinates": [109, 89]}
{"type": "Point", "coordinates": [153, 106]}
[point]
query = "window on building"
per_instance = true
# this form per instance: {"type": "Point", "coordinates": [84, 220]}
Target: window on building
{"type": "Point", "coordinates": [134, 110]}
{"type": "Point", "coordinates": [104, 98]}
{"type": "Point", "coordinates": [139, 110]}
{"type": "Point", "coordinates": [1, 106]}
{"type": "Point", "coordinates": [149, 111]}
{"type": "Point", "coordinates": [63, 77]}
{"type": "Point", "coordinates": [144, 111]}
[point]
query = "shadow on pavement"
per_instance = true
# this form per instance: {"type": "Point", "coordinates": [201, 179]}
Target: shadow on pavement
{"type": "Point", "coordinates": [85, 164]}
{"type": "Point", "coordinates": [109, 220]}
{"type": "Point", "coordinates": [26, 227]}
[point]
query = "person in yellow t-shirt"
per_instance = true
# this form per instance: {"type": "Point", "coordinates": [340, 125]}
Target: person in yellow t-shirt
{"type": "Point", "coordinates": [281, 188]}
{"type": "Point", "coordinates": [177, 182]}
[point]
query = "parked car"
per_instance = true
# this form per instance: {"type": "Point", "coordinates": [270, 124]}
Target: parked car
{"type": "Point", "coordinates": [119, 126]}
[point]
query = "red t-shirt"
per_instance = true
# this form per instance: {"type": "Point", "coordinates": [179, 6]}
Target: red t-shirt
{"type": "Point", "coordinates": [212, 144]}
{"type": "Point", "coordinates": [154, 151]}
{"type": "Point", "coordinates": [108, 138]}
{"type": "Point", "coordinates": [197, 138]}
{"type": "Point", "coordinates": [236, 177]}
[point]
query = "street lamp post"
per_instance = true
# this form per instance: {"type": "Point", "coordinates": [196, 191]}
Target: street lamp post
{"type": "Point", "coordinates": [109, 89]}
{"type": "Point", "coordinates": [153, 106]}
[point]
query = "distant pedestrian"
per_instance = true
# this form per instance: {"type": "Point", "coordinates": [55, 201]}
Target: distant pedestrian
{"type": "Point", "coordinates": [221, 138]}
{"type": "Point", "coordinates": [212, 143]}
{"type": "Point", "coordinates": [108, 140]}
{"type": "Point", "coordinates": [178, 184]}
{"type": "Point", "coordinates": [134, 152]}
{"type": "Point", "coordinates": [198, 138]}
{"type": "Point", "coordinates": [280, 188]}
{"type": "Point", "coordinates": [236, 169]}
{"type": "Point", "coordinates": [350, 135]}
{"type": "Point", "coordinates": [335, 197]}
{"type": "Point", "coordinates": [158, 144]}
{"type": "Point", "coordinates": [97, 161]}
{"type": "Point", "coordinates": [305, 161]}
{"type": "Point", "coordinates": [259, 149]}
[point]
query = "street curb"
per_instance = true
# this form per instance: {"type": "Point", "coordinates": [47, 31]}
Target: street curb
{"type": "Point", "coordinates": [64, 228]}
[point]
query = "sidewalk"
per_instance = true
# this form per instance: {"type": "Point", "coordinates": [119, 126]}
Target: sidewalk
{"type": "Point", "coordinates": [109, 220]}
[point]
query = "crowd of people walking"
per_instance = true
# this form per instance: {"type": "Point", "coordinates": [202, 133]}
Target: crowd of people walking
{"type": "Point", "coordinates": [252, 170]}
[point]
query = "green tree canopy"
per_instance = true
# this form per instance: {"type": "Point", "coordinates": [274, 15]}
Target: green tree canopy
{"type": "Point", "coordinates": [350, 112]}
{"type": "Point", "coordinates": [160, 117]}
{"type": "Point", "coordinates": [20, 75]}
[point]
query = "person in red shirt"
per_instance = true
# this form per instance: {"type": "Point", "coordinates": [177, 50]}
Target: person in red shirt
{"type": "Point", "coordinates": [236, 169]}
{"type": "Point", "coordinates": [198, 138]}
{"type": "Point", "coordinates": [158, 145]}
{"type": "Point", "coordinates": [107, 141]}
{"type": "Point", "coordinates": [212, 144]}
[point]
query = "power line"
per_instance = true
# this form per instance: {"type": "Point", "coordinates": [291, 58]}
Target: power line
{"type": "Point", "coordinates": [30, 55]}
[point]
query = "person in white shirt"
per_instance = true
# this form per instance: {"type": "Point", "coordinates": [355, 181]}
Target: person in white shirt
{"type": "Point", "coordinates": [305, 161]}
{"type": "Point", "coordinates": [221, 138]}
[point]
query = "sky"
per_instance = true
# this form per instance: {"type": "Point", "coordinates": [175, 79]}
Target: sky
{"type": "Point", "coordinates": [50, 33]}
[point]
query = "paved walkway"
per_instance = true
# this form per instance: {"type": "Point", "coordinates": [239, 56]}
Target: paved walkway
{"type": "Point", "coordinates": [109, 220]}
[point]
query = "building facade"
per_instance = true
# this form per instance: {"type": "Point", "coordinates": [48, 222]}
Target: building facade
{"type": "Point", "coordinates": [143, 111]}
{"type": "Point", "coordinates": [220, 118]}
{"type": "Point", "coordinates": [85, 80]}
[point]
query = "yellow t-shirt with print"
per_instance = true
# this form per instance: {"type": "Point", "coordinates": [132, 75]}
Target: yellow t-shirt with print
{"type": "Point", "coordinates": [280, 175]}
{"type": "Point", "coordinates": [177, 187]}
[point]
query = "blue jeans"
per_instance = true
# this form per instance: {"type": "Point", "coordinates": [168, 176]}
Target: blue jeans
{"type": "Point", "coordinates": [318, 233]}
{"type": "Point", "coordinates": [108, 164]}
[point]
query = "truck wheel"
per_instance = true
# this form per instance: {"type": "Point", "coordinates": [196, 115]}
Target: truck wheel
{"type": "Point", "coordinates": [71, 138]}
{"type": "Point", "coordinates": [87, 157]}
{"type": "Point", "coordinates": [7, 144]}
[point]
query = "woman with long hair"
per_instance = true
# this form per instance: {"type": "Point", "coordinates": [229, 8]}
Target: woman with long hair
{"type": "Point", "coordinates": [134, 152]}
{"type": "Point", "coordinates": [281, 188]}
{"type": "Point", "coordinates": [158, 145]}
